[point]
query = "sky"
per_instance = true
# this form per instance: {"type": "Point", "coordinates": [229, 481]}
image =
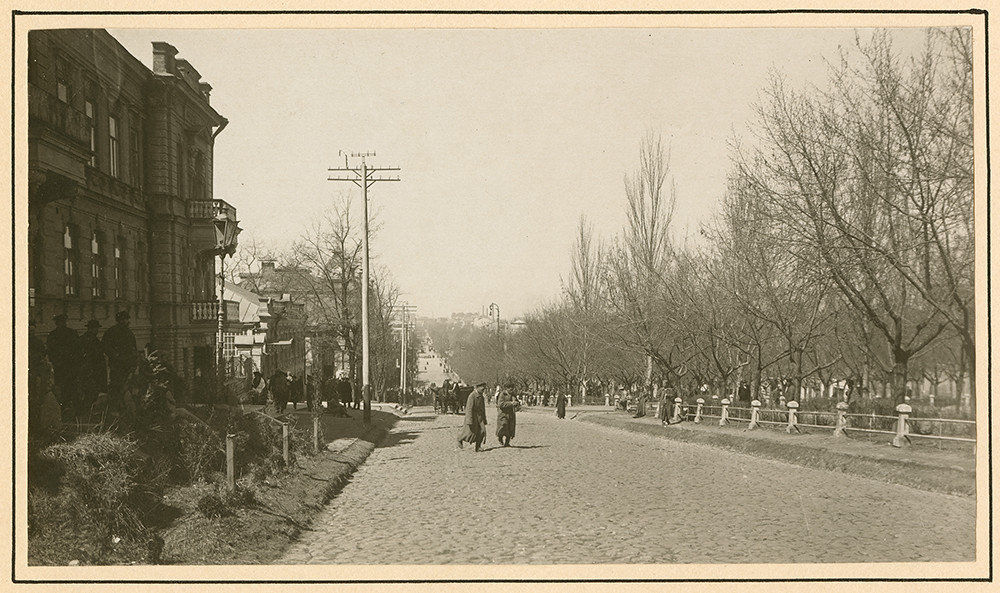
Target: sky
{"type": "Point", "coordinates": [504, 137]}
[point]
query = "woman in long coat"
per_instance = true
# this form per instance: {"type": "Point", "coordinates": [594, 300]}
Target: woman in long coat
{"type": "Point", "coordinates": [474, 428]}
{"type": "Point", "coordinates": [560, 406]}
{"type": "Point", "coordinates": [506, 417]}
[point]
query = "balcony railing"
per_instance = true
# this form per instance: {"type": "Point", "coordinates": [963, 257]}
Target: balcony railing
{"type": "Point", "coordinates": [209, 311]}
{"type": "Point", "coordinates": [205, 311]}
{"type": "Point", "coordinates": [210, 210]}
{"type": "Point", "coordinates": [47, 109]}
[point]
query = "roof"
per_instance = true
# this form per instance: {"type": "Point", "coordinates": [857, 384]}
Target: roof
{"type": "Point", "coordinates": [250, 309]}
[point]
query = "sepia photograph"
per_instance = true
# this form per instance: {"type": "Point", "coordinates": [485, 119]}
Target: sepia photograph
{"type": "Point", "coordinates": [358, 296]}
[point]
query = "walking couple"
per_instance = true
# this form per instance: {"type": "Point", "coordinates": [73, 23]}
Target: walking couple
{"type": "Point", "coordinates": [474, 427]}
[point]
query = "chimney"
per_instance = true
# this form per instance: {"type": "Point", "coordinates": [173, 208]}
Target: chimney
{"type": "Point", "coordinates": [163, 57]}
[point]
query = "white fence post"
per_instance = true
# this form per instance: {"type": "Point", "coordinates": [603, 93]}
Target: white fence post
{"type": "Point", "coordinates": [677, 411]}
{"type": "Point", "coordinates": [697, 413]}
{"type": "Point", "coordinates": [754, 415]}
{"type": "Point", "coordinates": [901, 439]}
{"type": "Point", "coordinates": [793, 421]}
{"type": "Point", "coordinates": [839, 431]}
{"type": "Point", "coordinates": [724, 417]}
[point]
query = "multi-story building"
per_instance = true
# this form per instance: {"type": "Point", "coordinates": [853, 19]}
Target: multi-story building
{"type": "Point", "coordinates": [120, 202]}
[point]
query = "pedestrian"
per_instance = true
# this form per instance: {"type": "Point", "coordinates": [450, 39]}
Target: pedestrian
{"type": "Point", "coordinates": [743, 394]}
{"type": "Point", "coordinates": [119, 347]}
{"type": "Point", "coordinates": [506, 417]}
{"type": "Point", "coordinates": [294, 390]}
{"type": "Point", "coordinates": [344, 391]}
{"type": "Point", "coordinates": [474, 427]}
{"type": "Point", "coordinates": [279, 390]}
{"type": "Point", "coordinates": [560, 406]}
{"type": "Point", "coordinates": [258, 385]}
{"type": "Point", "coordinates": [663, 406]}
{"type": "Point", "coordinates": [93, 366]}
{"type": "Point", "coordinates": [63, 348]}
{"type": "Point", "coordinates": [640, 405]}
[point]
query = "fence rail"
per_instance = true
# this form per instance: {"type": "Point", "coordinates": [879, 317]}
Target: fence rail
{"type": "Point", "coordinates": [902, 426]}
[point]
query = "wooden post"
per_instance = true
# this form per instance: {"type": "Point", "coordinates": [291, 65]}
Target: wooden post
{"type": "Point", "coordinates": [793, 423]}
{"type": "Point", "coordinates": [316, 433]}
{"type": "Point", "coordinates": [839, 431]}
{"type": "Point", "coordinates": [901, 439]}
{"type": "Point", "coordinates": [697, 413]}
{"type": "Point", "coordinates": [285, 438]}
{"type": "Point", "coordinates": [230, 462]}
{"type": "Point", "coordinates": [724, 417]}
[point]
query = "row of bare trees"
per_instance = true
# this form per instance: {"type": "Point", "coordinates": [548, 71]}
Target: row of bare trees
{"type": "Point", "coordinates": [322, 269]}
{"type": "Point", "coordinates": [843, 248]}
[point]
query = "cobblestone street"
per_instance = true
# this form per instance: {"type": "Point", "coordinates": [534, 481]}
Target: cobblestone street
{"type": "Point", "coordinates": [572, 492]}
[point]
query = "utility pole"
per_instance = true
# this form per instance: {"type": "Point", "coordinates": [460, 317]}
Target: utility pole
{"type": "Point", "coordinates": [362, 177]}
{"type": "Point", "coordinates": [404, 310]}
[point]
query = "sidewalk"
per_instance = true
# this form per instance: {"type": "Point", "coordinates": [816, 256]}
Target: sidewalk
{"type": "Point", "coordinates": [950, 471]}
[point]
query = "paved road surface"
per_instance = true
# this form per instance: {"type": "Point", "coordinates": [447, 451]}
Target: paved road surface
{"type": "Point", "coordinates": [573, 492]}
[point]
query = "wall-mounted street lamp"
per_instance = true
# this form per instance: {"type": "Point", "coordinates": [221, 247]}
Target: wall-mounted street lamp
{"type": "Point", "coordinates": [226, 231]}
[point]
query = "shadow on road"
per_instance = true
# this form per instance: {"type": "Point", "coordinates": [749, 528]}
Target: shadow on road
{"type": "Point", "coordinates": [397, 438]}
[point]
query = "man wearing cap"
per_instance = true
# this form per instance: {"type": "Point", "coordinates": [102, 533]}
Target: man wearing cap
{"type": "Point", "coordinates": [62, 347]}
{"type": "Point", "coordinates": [474, 428]}
{"type": "Point", "coordinates": [93, 366]}
{"type": "Point", "coordinates": [119, 346]}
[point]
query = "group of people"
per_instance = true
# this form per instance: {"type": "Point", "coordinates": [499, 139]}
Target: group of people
{"type": "Point", "coordinates": [283, 388]}
{"type": "Point", "coordinates": [84, 366]}
{"type": "Point", "coordinates": [474, 427]}
{"type": "Point", "coordinates": [450, 398]}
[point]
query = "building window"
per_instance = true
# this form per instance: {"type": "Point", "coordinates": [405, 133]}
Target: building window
{"type": "Point", "coordinates": [91, 123]}
{"type": "Point", "coordinates": [70, 277]}
{"type": "Point", "coordinates": [140, 271]}
{"type": "Point", "coordinates": [62, 81]}
{"type": "Point", "coordinates": [133, 155]}
{"type": "Point", "coordinates": [113, 145]}
{"type": "Point", "coordinates": [119, 269]}
{"type": "Point", "coordinates": [229, 353]}
{"type": "Point", "coordinates": [97, 265]}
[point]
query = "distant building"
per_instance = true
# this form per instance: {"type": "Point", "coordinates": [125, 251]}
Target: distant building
{"type": "Point", "coordinates": [121, 210]}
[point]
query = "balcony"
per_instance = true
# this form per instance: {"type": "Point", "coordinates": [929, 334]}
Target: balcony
{"type": "Point", "coordinates": [213, 225]}
{"type": "Point", "coordinates": [204, 311]}
{"type": "Point", "coordinates": [210, 210]}
{"type": "Point", "coordinates": [46, 109]}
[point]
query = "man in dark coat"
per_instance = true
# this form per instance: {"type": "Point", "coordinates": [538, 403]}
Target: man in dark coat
{"type": "Point", "coordinates": [744, 392]}
{"type": "Point", "coordinates": [63, 348]}
{"type": "Point", "coordinates": [506, 417]}
{"type": "Point", "coordinates": [278, 388]}
{"type": "Point", "coordinates": [119, 347]}
{"type": "Point", "coordinates": [344, 391]}
{"type": "Point", "coordinates": [560, 406]}
{"type": "Point", "coordinates": [474, 428]}
{"type": "Point", "coordinates": [93, 366]}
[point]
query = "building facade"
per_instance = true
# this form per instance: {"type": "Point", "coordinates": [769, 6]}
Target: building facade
{"type": "Point", "coordinates": [120, 203]}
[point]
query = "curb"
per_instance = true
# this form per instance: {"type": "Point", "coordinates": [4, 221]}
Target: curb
{"type": "Point", "coordinates": [912, 473]}
{"type": "Point", "coordinates": [352, 457]}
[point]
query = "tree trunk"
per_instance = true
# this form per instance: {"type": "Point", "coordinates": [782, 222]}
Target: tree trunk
{"type": "Point", "coordinates": [901, 359]}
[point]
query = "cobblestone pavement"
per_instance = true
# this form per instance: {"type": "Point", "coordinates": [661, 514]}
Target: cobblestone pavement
{"type": "Point", "coordinates": [572, 492]}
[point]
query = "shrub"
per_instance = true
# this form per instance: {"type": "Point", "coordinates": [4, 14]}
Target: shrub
{"type": "Point", "coordinates": [87, 504]}
{"type": "Point", "coordinates": [202, 450]}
